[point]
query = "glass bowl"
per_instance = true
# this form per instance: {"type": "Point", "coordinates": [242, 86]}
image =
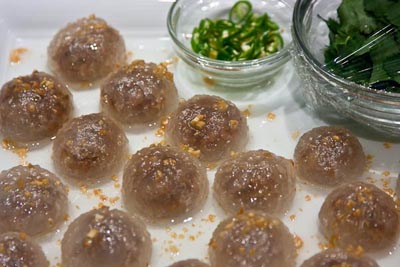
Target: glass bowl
{"type": "Point", "coordinates": [327, 93]}
{"type": "Point", "coordinates": [185, 15]}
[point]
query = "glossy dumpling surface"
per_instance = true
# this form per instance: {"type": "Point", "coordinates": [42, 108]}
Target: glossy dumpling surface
{"type": "Point", "coordinates": [209, 127]}
{"type": "Point", "coordinates": [338, 258]}
{"type": "Point", "coordinates": [106, 238]}
{"type": "Point", "coordinates": [252, 239]}
{"type": "Point", "coordinates": [32, 200]}
{"type": "Point", "coordinates": [189, 263]}
{"type": "Point", "coordinates": [90, 148]}
{"type": "Point", "coordinates": [164, 183]}
{"type": "Point", "coordinates": [139, 93]}
{"type": "Point", "coordinates": [19, 250]}
{"type": "Point", "coordinates": [360, 214]}
{"type": "Point", "coordinates": [86, 50]}
{"type": "Point", "coordinates": [328, 156]}
{"type": "Point", "coordinates": [33, 107]}
{"type": "Point", "coordinates": [257, 180]}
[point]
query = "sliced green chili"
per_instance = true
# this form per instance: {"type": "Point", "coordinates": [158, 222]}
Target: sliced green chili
{"type": "Point", "coordinates": [243, 36]}
{"type": "Point", "coordinates": [240, 11]}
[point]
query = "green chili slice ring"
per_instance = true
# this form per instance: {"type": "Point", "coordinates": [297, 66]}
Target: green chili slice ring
{"type": "Point", "coordinates": [243, 36]}
{"type": "Point", "coordinates": [240, 11]}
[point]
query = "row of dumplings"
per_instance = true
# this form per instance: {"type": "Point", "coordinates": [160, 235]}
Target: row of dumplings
{"type": "Point", "coordinates": [354, 214]}
{"type": "Point", "coordinates": [106, 237]}
{"type": "Point", "coordinates": [164, 183]}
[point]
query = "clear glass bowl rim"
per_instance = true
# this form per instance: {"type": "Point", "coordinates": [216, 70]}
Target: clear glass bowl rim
{"type": "Point", "coordinates": [281, 55]}
{"type": "Point", "coordinates": [301, 7]}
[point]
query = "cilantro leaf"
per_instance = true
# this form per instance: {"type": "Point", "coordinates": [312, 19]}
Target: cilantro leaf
{"type": "Point", "coordinates": [364, 44]}
{"type": "Point", "coordinates": [354, 18]}
{"type": "Point", "coordinates": [377, 8]}
{"type": "Point", "coordinates": [393, 14]}
{"type": "Point", "coordinates": [381, 54]}
{"type": "Point", "coordinates": [391, 66]}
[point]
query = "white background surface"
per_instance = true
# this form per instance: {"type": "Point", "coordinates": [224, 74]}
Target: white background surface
{"type": "Point", "coordinates": [31, 24]}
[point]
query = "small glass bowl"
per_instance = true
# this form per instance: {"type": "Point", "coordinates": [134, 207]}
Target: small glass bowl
{"type": "Point", "coordinates": [185, 15]}
{"type": "Point", "coordinates": [327, 93]}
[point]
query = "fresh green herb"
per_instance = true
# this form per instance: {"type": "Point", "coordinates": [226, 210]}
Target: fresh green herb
{"type": "Point", "coordinates": [243, 36]}
{"type": "Point", "coordinates": [365, 43]}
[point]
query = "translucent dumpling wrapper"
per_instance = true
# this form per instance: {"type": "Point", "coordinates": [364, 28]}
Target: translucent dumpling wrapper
{"type": "Point", "coordinates": [32, 200]}
{"type": "Point", "coordinates": [86, 50]}
{"type": "Point", "coordinates": [106, 238]}
{"type": "Point", "coordinates": [33, 107]}
{"type": "Point", "coordinates": [257, 180]}
{"type": "Point", "coordinates": [164, 184]}
{"type": "Point", "coordinates": [359, 214]}
{"type": "Point", "coordinates": [252, 239]}
{"type": "Point", "coordinates": [208, 127]}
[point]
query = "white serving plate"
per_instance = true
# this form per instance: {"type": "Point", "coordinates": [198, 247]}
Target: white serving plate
{"type": "Point", "coordinates": [31, 25]}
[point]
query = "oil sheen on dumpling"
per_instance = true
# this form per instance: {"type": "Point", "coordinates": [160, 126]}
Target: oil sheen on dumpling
{"type": "Point", "coordinates": [86, 50]}
{"type": "Point", "coordinates": [360, 214]}
{"type": "Point", "coordinates": [208, 127]}
{"type": "Point", "coordinates": [90, 148]}
{"type": "Point", "coordinates": [328, 156]}
{"type": "Point", "coordinates": [19, 250]}
{"type": "Point", "coordinates": [106, 238]}
{"type": "Point", "coordinates": [338, 258]}
{"type": "Point", "coordinates": [258, 180]}
{"type": "Point", "coordinates": [162, 183]}
{"type": "Point", "coordinates": [189, 263]}
{"type": "Point", "coordinates": [139, 93]}
{"type": "Point", "coordinates": [32, 200]}
{"type": "Point", "coordinates": [252, 239]}
{"type": "Point", "coordinates": [33, 107]}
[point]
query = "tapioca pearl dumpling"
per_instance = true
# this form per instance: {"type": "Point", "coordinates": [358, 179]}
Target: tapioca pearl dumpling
{"type": "Point", "coordinates": [90, 148]}
{"type": "Point", "coordinates": [139, 93]}
{"type": "Point", "coordinates": [189, 263]}
{"type": "Point", "coordinates": [86, 50]}
{"type": "Point", "coordinates": [33, 107]}
{"type": "Point", "coordinates": [338, 257]}
{"type": "Point", "coordinates": [360, 214]}
{"type": "Point", "coordinates": [162, 183]}
{"type": "Point", "coordinates": [328, 156]}
{"type": "Point", "coordinates": [258, 180]}
{"type": "Point", "coordinates": [208, 127]}
{"type": "Point", "coordinates": [32, 200]}
{"type": "Point", "coordinates": [19, 250]}
{"type": "Point", "coordinates": [252, 239]}
{"type": "Point", "coordinates": [106, 238]}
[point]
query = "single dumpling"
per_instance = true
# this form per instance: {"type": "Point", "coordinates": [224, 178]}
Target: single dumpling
{"type": "Point", "coordinates": [90, 148]}
{"type": "Point", "coordinates": [189, 263]}
{"type": "Point", "coordinates": [86, 50]}
{"type": "Point", "coordinates": [338, 258]}
{"type": "Point", "coordinates": [106, 238]}
{"type": "Point", "coordinates": [139, 93]}
{"type": "Point", "coordinates": [360, 214]}
{"type": "Point", "coordinates": [162, 183]}
{"type": "Point", "coordinates": [208, 127]}
{"type": "Point", "coordinates": [328, 156]}
{"type": "Point", "coordinates": [257, 180]}
{"type": "Point", "coordinates": [252, 239]}
{"type": "Point", "coordinates": [19, 250]}
{"type": "Point", "coordinates": [32, 200]}
{"type": "Point", "coordinates": [33, 107]}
